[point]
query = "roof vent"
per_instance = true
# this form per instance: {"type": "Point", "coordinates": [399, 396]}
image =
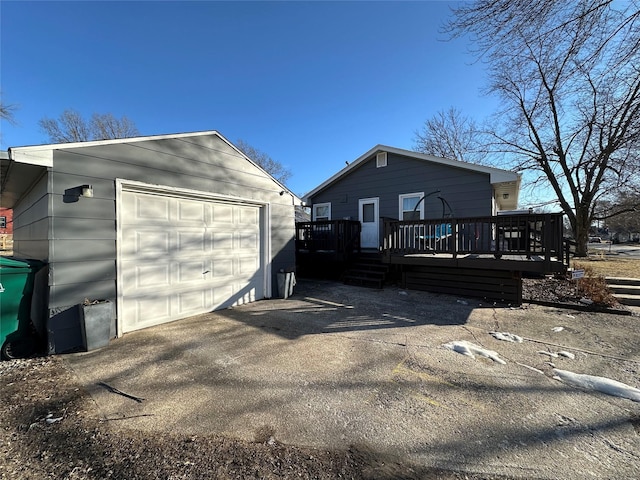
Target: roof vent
{"type": "Point", "coordinates": [381, 159]}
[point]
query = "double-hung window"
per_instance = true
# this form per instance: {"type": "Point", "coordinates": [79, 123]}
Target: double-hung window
{"type": "Point", "coordinates": [321, 211]}
{"type": "Point", "coordinates": [410, 206]}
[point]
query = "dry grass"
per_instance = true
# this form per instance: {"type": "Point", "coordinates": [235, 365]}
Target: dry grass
{"type": "Point", "coordinates": [610, 266]}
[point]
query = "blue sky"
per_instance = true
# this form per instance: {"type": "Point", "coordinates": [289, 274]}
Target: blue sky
{"type": "Point", "coordinates": [313, 84]}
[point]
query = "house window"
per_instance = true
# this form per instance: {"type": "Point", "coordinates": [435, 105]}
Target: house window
{"type": "Point", "coordinates": [381, 159]}
{"type": "Point", "coordinates": [3, 222]}
{"type": "Point", "coordinates": [321, 211]}
{"type": "Point", "coordinates": [407, 203]}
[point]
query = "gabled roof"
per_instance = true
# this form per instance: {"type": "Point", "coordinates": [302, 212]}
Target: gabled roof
{"type": "Point", "coordinates": [42, 155]}
{"type": "Point", "coordinates": [503, 181]}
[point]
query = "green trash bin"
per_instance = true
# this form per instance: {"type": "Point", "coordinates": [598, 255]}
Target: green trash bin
{"type": "Point", "coordinates": [16, 290]}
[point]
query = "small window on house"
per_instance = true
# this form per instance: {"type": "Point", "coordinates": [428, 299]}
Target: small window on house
{"type": "Point", "coordinates": [381, 159]}
{"type": "Point", "coordinates": [407, 203]}
{"type": "Point", "coordinates": [3, 222]}
{"type": "Point", "coordinates": [321, 211]}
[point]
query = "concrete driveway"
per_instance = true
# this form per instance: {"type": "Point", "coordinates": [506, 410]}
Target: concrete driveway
{"type": "Point", "coordinates": [335, 366]}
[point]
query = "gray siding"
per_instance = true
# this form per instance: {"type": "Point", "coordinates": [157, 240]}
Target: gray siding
{"type": "Point", "coordinates": [83, 252]}
{"type": "Point", "coordinates": [468, 193]}
{"type": "Point", "coordinates": [31, 223]}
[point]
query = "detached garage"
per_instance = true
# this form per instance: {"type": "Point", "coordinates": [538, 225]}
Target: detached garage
{"type": "Point", "coordinates": [165, 227]}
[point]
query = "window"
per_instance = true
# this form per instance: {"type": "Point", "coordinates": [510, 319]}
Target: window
{"type": "Point", "coordinates": [407, 203]}
{"type": "Point", "coordinates": [381, 159]}
{"type": "Point", "coordinates": [3, 222]}
{"type": "Point", "coordinates": [321, 211]}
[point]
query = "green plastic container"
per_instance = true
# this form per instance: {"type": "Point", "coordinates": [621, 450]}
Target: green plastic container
{"type": "Point", "coordinates": [16, 290]}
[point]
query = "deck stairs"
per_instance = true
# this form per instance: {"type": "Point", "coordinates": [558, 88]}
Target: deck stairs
{"type": "Point", "coordinates": [367, 270]}
{"type": "Point", "coordinates": [626, 290]}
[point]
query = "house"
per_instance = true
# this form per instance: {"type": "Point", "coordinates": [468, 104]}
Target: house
{"type": "Point", "coordinates": [389, 182]}
{"type": "Point", "coordinates": [164, 226]}
{"type": "Point", "coordinates": [6, 229]}
{"type": "Point", "coordinates": [432, 223]}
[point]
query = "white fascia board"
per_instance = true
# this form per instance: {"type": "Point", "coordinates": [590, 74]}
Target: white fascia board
{"type": "Point", "coordinates": [42, 157]}
{"type": "Point", "coordinates": [115, 141]}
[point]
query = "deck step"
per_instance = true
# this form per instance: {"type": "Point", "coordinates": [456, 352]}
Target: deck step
{"type": "Point", "coordinates": [626, 290]}
{"type": "Point", "coordinates": [366, 271]}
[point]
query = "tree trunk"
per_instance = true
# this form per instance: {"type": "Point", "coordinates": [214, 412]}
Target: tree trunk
{"type": "Point", "coordinates": [581, 230]}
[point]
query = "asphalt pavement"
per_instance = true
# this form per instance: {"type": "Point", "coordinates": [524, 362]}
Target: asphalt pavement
{"type": "Point", "coordinates": [335, 366]}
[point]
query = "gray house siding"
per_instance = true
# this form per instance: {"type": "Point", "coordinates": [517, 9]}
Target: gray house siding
{"type": "Point", "coordinates": [468, 193]}
{"type": "Point", "coordinates": [31, 223]}
{"type": "Point", "coordinates": [84, 231]}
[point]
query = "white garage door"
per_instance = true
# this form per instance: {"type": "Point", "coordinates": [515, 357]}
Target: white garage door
{"type": "Point", "coordinates": [181, 257]}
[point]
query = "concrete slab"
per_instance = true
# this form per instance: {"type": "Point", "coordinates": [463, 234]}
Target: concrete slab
{"type": "Point", "coordinates": [335, 366]}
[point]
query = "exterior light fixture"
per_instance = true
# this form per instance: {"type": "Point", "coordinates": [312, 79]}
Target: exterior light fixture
{"type": "Point", "coordinates": [87, 191]}
{"type": "Point", "coordinates": [505, 196]}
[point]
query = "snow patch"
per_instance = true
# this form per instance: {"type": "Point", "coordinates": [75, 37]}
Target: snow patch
{"type": "Point", "coordinates": [558, 329]}
{"type": "Point", "coordinates": [471, 350]}
{"type": "Point", "coordinates": [600, 384]}
{"type": "Point", "coordinates": [566, 354]}
{"type": "Point", "coordinates": [506, 336]}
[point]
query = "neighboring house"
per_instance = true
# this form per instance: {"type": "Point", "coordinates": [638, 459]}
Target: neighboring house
{"type": "Point", "coordinates": [6, 221]}
{"type": "Point", "coordinates": [388, 182]}
{"type": "Point", "coordinates": [165, 227]}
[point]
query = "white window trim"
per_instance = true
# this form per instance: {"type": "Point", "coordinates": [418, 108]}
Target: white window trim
{"type": "Point", "coordinates": [317, 205]}
{"type": "Point", "coordinates": [381, 159]}
{"type": "Point", "coordinates": [401, 198]}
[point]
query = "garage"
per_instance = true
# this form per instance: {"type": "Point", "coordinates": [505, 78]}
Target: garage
{"type": "Point", "coordinates": [161, 227]}
{"type": "Point", "coordinates": [182, 255]}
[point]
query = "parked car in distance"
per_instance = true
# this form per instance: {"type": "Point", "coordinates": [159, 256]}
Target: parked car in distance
{"type": "Point", "coordinates": [595, 240]}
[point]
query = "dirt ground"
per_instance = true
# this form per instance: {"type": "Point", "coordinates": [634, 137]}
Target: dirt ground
{"type": "Point", "coordinates": [51, 430]}
{"type": "Point", "coordinates": [51, 427]}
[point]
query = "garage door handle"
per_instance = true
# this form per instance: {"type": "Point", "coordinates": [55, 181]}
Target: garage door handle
{"type": "Point", "coordinates": [206, 272]}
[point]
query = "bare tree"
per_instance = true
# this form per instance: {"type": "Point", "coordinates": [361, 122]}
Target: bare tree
{"type": "Point", "coordinates": [6, 112]}
{"type": "Point", "coordinates": [568, 75]}
{"type": "Point", "coordinates": [104, 126]}
{"type": "Point", "coordinates": [268, 164]}
{"type": "Point", "coordinates": [71, 126]}
{"type": "Point", "coordinates": [450, 134]}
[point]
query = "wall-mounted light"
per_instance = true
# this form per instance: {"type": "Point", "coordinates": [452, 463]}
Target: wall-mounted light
{"type": "Point", "coordinates": [87, 191]}
{"type": "Point", "coordinates": [281, 192]}
{"type": "Point", "coordinates": [505, 196]}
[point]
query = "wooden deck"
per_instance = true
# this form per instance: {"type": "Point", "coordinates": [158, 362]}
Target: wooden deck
{"type": "Point", "coordinates": [481, 256]}
{"type": "Point", "coordinates": [525, 243]}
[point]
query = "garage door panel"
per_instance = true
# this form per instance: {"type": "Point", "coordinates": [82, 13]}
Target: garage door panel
{"type": "Point", "coordinates": [191, 242]}
{"type": "Point", "coordinates": [181, 257]}
{"type": "Point", "coordinates": [222, 268]}
{"type": "Point", "coordinates": [191, 212]}
{"type": "Point", "coordinates": [247, 266]}
{"type": "Point", "coordinates": [249, 216]}
{"type": "Point", "coordinates": [191, 302]}
{"type": "Point", "coordinates": [193, 271]}
{"type": "Point", "coordinates": [145, 208]}
{"type": "Point", "coordinates": [144, 242]}
{"type": "Point", "coordinates": [222, 241]}
{"type": "Point", "coordinates": [222, 214]}
{"type": "Point", "coordinates": [146, 276]}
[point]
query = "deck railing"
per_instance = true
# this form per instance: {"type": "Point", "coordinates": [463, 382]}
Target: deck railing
{"type": "Point", "coordinates": [523, 234]}
{"type": "Point", "coordinates": [341, 237]}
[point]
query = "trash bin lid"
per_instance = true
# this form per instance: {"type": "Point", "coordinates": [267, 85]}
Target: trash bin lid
{"type": "Point", "coordinates": [12, 262]}
{"type": "Point", "coordinates": [8, 262]}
